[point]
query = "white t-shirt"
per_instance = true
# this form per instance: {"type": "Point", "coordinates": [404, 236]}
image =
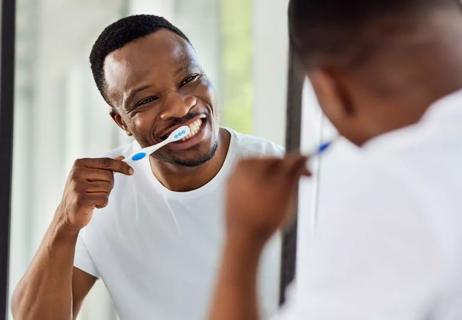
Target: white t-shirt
{"type": "Point", "coordinates": [158, 251]}
{"type": "Point", "coordinates": [388, 245]}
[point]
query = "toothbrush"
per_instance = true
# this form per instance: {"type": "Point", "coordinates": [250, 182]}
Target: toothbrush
{"type": "Point", "coordinates": [322, 148]}
{"type": "Point", "coordinates": [178, 134]}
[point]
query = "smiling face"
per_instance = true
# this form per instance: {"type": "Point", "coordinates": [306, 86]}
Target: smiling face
{"type": "Point", "coordinates": [155, 85]}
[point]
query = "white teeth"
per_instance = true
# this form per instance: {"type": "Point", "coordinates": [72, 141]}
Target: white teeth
{"type": "Point", "coordinates": [194, 127]}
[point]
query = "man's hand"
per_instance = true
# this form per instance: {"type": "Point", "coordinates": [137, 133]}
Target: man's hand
{"type": "Point", "coordinates": [88, 187]}
{"type": "Point", "coordinates": [261, 193]}
{"type": "Point", "coordinates": [51, 289]}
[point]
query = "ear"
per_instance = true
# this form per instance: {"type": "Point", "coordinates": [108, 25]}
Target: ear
{"type": "Point", "coordinates": [333, 97]}
{"type": "Point", "coordinates": [119, 121]}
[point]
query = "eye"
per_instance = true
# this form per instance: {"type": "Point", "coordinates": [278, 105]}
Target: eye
{"type": "Point", "coordinates": [145, 101]}
{"type": "Point", "coordinates": [189, 79]}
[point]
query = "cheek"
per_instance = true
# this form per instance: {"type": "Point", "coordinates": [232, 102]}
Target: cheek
{"type": "Point", "coordinates": [140, 122]}
{"type": "Point", "coordinates": [143, 123]}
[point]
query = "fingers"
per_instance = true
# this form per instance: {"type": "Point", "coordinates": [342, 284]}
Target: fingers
{"type": "Point", "coordinates": [91, 201]}
{"type": "Point", "coordinates": [114, 165]}
{"type": "Point", "coordinates": [291, 164]}
{"type": "Point", "coordinates": [261, 193]}
{"type": "Point", "coordinates": [89, 175]}
{"type": "Point", "coordinates": [265, 165]}
{"type": "Point", "coordinates": [272, 165]}
{"type": "Point", "coordinates": [100, 200]}
{"type": "Point", "coordinates": [89, 185]}
{"type": "Point", "coordinates": [294, 165]}
{"type": "Point", "coordinates": [287, 170]}
{"type": "Point", "coordinates": [99, 187]}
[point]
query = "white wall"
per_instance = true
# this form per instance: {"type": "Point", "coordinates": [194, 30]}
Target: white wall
{"type": "Point", "coordinates": [270, 37]}
{"type": "Point", "coordinates": [59, 116]}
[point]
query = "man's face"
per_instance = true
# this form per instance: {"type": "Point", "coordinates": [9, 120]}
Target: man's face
{"type": "Point", "coordinates": [155, 85]}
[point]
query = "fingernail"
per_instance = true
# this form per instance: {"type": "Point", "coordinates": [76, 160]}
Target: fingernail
{"type": "Point", "coordinates": [131, 171]}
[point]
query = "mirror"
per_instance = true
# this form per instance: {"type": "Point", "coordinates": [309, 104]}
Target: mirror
{"type": "Point", "coordinates": [60, 116]}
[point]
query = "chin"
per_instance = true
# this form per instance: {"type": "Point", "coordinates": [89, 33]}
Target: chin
{"type": "Point", "coordinates": [190, 158]}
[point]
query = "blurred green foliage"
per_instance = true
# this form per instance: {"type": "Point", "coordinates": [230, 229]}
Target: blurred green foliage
{"type": "Point", "coordinates": [237, 58]}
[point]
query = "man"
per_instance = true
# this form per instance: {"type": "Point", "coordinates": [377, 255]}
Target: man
{"type": "Point", "coordinates": [157, 235]}
{"type": "Point", "coordinates": [388, 74]}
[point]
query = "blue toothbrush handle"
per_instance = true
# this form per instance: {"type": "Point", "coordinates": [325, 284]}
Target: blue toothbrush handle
{"type": "Point", "coordinates": [138, 156]}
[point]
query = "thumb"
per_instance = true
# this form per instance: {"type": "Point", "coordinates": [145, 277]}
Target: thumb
{"type": "Point", "coordinates": [296, 167]}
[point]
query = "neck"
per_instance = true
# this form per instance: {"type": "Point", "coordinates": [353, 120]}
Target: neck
{"type": "Point", "coordinates": [182, 178]}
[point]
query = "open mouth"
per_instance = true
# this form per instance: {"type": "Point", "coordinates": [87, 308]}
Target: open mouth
{"type": "Point", "coordinates": [194, 126]}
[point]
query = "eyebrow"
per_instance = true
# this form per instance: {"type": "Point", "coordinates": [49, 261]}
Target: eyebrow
{"type": "Point", "coordinates": [186, 65]}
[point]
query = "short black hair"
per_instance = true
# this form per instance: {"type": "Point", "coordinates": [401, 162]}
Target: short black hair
{"type": "Point", "coordinates": [118, 34]}
{"type": "Point", "coordinates": [339, 31]}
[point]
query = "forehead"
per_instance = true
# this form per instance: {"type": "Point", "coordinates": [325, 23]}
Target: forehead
{"type": "Point", "coordinates": [155, 56]}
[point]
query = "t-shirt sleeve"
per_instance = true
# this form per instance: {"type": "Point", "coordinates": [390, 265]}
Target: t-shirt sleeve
{"type": "Point", "coordinates": [83, 259]}
{"type": "Point", "coordinates": [250, 146]}
{"type": "Point", "coordinates": [374, 255]}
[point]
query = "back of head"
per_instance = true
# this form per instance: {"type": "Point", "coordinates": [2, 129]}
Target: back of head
{"type": "Point", "coordinates": [346, 32]}
{"type": "Point", "coordinates": [378, 65]}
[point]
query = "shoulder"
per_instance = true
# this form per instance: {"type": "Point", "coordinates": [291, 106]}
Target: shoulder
{"type": "Point", "coordinates": [414, 151]}
{"type": "Point", "coordinates": [390, 174]}
{"type": "Point", "coordinates": [252, 146]}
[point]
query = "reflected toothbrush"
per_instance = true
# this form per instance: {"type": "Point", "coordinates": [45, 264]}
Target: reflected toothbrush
{"type": "Point", "coordinates": [177, 135]}
{"type": "Point", "coordinates": [322, 148]}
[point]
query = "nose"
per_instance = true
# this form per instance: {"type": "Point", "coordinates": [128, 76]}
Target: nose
{"type": "Point", "coordinates": [177, 105]}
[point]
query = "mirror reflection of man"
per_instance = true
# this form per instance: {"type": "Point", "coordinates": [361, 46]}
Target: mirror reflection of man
{"type": "Point", "coordinates": [156, 239]}
{"type": "Point", "coordinates": [388, 243]}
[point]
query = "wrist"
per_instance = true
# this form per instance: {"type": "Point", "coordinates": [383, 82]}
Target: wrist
{"type": "Point", "coordinates": [249, 236]}
{"type": "Point", "coordinates": [241, 259]}
{"type": "Point", "coordinates": [61, 226]}
{"type": "Point", "coordinates": [245, 243]}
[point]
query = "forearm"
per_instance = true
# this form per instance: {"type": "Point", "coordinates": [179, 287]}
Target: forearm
{"type": "Point", "coordinates": [45, 291]}
{"type": "Point", "coordinates": [236, 291]}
